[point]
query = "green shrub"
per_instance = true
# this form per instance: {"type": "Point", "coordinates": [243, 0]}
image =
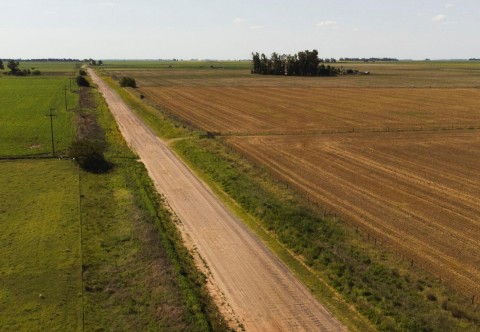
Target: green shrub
{"type": "Point", "coordinates": [82, 72]}
{"type": "Point", "coordinates": [89, 154]}
{"type": "Point", "coordinates": [128, 82]}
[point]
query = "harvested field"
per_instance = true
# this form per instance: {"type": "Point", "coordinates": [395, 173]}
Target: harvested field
{"type": "Point", "coordinates": [249, 110]}
{"type": "Point", "coordinates": [416, 192]}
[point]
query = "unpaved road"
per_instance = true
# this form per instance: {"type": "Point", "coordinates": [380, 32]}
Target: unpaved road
{"type": "Point", "coordinates": [263, 293]}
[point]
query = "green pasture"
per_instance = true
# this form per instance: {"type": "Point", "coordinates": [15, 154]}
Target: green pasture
{"type": "Point", "coordinates": [181, 65]}
{"type": "Point", "coordinates": [49, 67]}
{"type": "Point", "coordinates": [40, 264]}
{"type": "Point", "coordinates": [24, 104]}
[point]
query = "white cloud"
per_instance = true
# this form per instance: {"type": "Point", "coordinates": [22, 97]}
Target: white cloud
{"type": "Point", "coordinates": [439, 18]}
{"type": "Point", "coordinates": [327, 24]}
{"type": "Point", "coordinates": [448, 5]}
{"type": "Point", "coordinates": [256, 27]}
{"type": "Point", "coordinates": [238, 20]}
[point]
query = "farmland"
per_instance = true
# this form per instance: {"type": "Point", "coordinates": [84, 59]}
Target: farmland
{"type": "Point", "coordinates": [402, 188]}
{"type": "Point", "coordinates": [40, 264]}
{"type": "Point", "coordinates": [24, 126]}
{"type": "Point", "coordinates": [394, 152]}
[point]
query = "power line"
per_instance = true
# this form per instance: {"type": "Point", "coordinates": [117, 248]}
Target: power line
{"type": "Point", "coordinates": [51, 115]}
{"type": "Point", "coordinates": [66, 105]}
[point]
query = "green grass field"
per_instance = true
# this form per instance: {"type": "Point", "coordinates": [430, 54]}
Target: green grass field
{"type": "Point", "coordinates": [40, 265]}
{"type": "Point", "coordinates": [48, 68]}
{"type": "Point", "coordinates": [185, 65]}
{"type": "Point", "coordinates": [24, 126]}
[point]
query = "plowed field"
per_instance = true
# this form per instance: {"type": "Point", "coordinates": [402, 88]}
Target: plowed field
{"type": "Point", "coordinates": [250, 110]}
{"type": "Point", "coordinates": [419, 193]}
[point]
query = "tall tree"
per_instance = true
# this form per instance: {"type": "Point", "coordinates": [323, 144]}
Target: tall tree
{"type": "Point", "coordinates": [302, 63]}
{"type": "Point", "coordinates": [256, 63]}
{"type": "Point", "coordinates": [277, 67]}
{"type": "Point", "coordinates": [263, 64]}
{"type": "Point", "coordinates": [13, 66]}
{"type": "Point", "coordinates": [1, 64]}
{"type": "Point", "coordinates": [312, 62]}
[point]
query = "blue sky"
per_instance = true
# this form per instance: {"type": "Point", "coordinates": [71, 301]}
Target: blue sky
{"type": "Point", "coordinates": [148, 29]}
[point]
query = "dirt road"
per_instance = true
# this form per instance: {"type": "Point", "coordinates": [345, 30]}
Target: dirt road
{"type": "Point", "coordinates": [263, 293]}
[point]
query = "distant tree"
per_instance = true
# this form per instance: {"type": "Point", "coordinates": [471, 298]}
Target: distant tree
{"type": "Point", "coordinates": [304, 63]}
{"type": "Point", "coordinates": [291, 65]}
{"type": "Point", "coordinates": [263, 64]}
{"type": "Point", "coordinates": [13, 66]}
{"type": "Point", "coordinates": [276, 65]}
{"type": "Point", "coordinates": [312, 62]}
{"type": "Point", "coordinates": [100, 62]}
{"type": "Point", "coordinates": [1, 64]}
{"type": "Point", "coordinates": [256, 63]}
{"type": "Point", "coordinates": [128, 82]}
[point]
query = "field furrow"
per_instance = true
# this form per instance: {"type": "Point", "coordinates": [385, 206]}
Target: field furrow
{"type": "Point", "coordinates": [434, 223]}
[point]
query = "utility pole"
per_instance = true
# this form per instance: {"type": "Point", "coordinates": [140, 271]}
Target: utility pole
{"type": "Point", "coordinates": [51, 115]}
{"type": "Point", "coordinates": [66, 105]}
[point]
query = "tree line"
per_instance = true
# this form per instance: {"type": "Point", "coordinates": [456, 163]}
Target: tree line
{"type": "Point", "coordinates": [15, 70]}
{"type": "Point", "coordinates": [304, 63]}
{"type": "Point", "coordinates": [48, 60]}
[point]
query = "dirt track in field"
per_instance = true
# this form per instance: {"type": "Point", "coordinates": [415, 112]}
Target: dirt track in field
{"type": "Point", "coordinates": [263, 293]}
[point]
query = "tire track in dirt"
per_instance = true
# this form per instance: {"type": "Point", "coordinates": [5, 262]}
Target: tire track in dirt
{"type": "Point", "coordinates": [261, 290]}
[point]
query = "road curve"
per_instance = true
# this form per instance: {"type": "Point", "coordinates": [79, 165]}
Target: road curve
{"type": "Point", "coordinates": [264, 294]}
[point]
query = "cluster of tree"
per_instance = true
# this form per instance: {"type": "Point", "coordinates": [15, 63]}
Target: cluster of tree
{"type": "Point", "coordinates": [304, 63]}
{"type": "Point", "coordinates": [92, 62]}
{"type": "Point", "coordinates": [368, 59]}
{"type": "Point", "coordinates": [15, 70]}
{"type": "Point", "coordinates": [474, 59]}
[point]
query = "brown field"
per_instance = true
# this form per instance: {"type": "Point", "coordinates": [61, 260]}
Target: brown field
{"type": "Point", "coordinates": [419, 193]}
{"type": "Point", "coordinates": [280, 110]}
{"type": "Point", "coordinates": [395, 152]}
